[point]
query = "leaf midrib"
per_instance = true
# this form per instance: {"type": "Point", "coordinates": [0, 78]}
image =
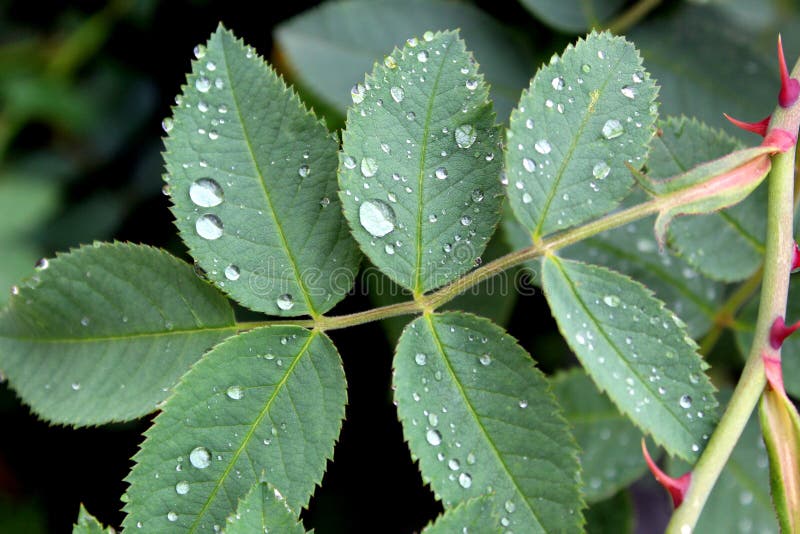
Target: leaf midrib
{"type": "Point", "coordinates": [573, 146]}
{"type": "Point", "coordinates": [421, 174]}
{"type": "Point", "coordinates": [278, 226]}
{"type": "Point", "coordinates": [249, 435]}
{"type": "Point", "coordinates": [100, 339]}
{"type": "Point", "coordinates": [440, 347]}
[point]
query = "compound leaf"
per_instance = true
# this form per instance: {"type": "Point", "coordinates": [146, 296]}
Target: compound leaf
{"type": "Point", "coordinates": [473, 515]}
{"type": "Point", "coordinates": [479, 417]}
{"type": "Point", "coordinates": [252, 177]}
{"type": "Point", "coordinates": [635, 350]}
{"type": "Point", "coordinates": [266, 405]}
{"type": "Point", "coordinates": [101, 334]}
{"type": "Point", "coordinates": [572, 15]}
{"type": "Point", "coordinates": [330, 47]}
{"type": "Point", "coordinates": [582, 120]}
{"type": "Point", "coordinates": [611, 456]}
{"type": "Point", "coordinates": [263, 509]}
{"type": "Point", "coordinates": [727, 245]}
{"type": "Point", "coordinates": [419, 177]}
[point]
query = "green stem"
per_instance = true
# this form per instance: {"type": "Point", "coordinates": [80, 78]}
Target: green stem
{"type": "Point", "coordinates": [725, 317]}
{"type": "Point", "coordinates": [632, 16]}
{"type": "Point", "coordinates": [773, 304]}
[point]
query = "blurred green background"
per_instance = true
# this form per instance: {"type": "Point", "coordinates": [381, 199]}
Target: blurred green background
{"type": "Point", "coordinates": [84, 87]}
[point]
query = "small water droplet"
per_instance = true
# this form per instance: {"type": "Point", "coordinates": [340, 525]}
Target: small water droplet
{"type": "Point", "coordinates": [182, 487]}
{"type": "Point", "coordinates": [200, 457]}
{"type": "Point", "coordinates": [428, 36]}
{"type": "Point", "coordinates": [202, 84]}
{"type": "Point", "coordinates": [349, 162]}
{"type": "Point", "coordinates": [397, 94]}
{"type": "Point", "coordinates": [357, 93]}
{"type": "Point", "coordinates": [510, 507]}
{"type": "Point", "coordinates": [377, 217]}
{"type": "Point", "coordinates": [200, 51]}
{"type": "Point", "coordinates": [628, 91]}
{"type": "Point", "coordinates": [586, 68]}
{"type": "Point", "coordinates": [542, 146]}
{"type": "Point", "coordinates": [235, 392]}
{"type": "Point", "coordinates": [411, 115]}
{"type": "Point", "coordinates": [465, 135]}
{"type": "Point", "coordinates": [471, 84]}
{"type": "Point", "coordinates": [390, 62]}
{"type": "Point", "coordinates": [42, 264]}
{"type": "Point", "coordinates": [172, 516]}
{"type": "Point", "coordinates": [527, 198]}
{"type": "Point", "coordinates": [85, 321]}
{"type": "Point", "coordinates": [167, 124]}
{"type": "Point", "coordinates": [206, 193]}
{"type": "Point", "coordinates": [601, 170]}
{"type": "Point", "coordinates": [304, 171]}
{"type": "Point", "coordinates": [611, 300]}
{"type": "Point", "coordinates": [557, 83]}
{"type": "Point", "coordinates": [485, 359]}
{"type": "Point", "coordinates": [529, 124]}
{"type": "Point", "coordinates": [441, 173]}
{"type": "Point", "coordinates": [612, 129]}
{"type": "Point", "coordinates": [75, 386]}
{"type": "Point", "coordinates": [477, 195]}
{"type": "Point", "coordinates": [388, 249]}
{"type": "Point", "coordinates": [369, 167]}
{"type": "Point", "coordinates": [523, 403]}
{"type": "Point", "coordinates": [232, 272]}
{"type": "Point", "coordinates": [465, 480]}
{"type": "Point", "coordinates": [528, 164]}
{"type": "Point", "coordinates": [433, 437]}
{"type": "Point", "coordinates": [421, 358]}
{"type": "Point", "coordinates": [422, 56]}
{"type": "Point", "coordinates": [685, 402]}
{"type": "Point", "coordinates": [412, 42]}
{"type": "Point", "coordinates": [209, 227]}
{"type": "Point", "coordinates": [285, 302]}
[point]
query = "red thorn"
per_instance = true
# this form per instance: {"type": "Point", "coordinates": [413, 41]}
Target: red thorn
{"type": "Point", "coordinates": [779, 332]}
{"type": "Point", "coordinates": [759, 127]}
{"type": "Point", "coordinates": [780, 139]}
{"type": "Point", "coordinates": [790, 88]}
{"type": "Point", "coordinates": [677, 487]}
{"type": "Point", "coordinates": [795, 258]}
{"type": "Point", "coordinates": [774, 372]}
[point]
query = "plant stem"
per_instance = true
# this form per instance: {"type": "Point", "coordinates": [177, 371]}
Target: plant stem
{"type": "Point", "coordinates": [725, 317]}
{"type": "Point", "coordinates": [632, 16]}
{"type": "Point", "coordinates": [751, 384]}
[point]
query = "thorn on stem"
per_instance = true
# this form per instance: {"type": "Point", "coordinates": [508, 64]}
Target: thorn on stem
{"type": "Point", "coordinates": [774, 372]}
{"type": "Point", "coordinates": [790, 88]}
{"type": "Point", "coordinates": [677, 487]}
{"type": "Point", "coordinates": [759, 127]}
{"type": "Point", "coordinates": [795, 258]}
{"type": "Point", "coordinates": [779, 331]}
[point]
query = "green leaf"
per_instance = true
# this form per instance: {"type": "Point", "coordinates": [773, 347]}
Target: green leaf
{"type": "Point", "coordinates": [266, 405]}
{"type": "Point", "coordinates": [790, 350]}
{"type": "Point", "coordinates": [88, 524]}
{"type": "Point", "coordinates": [105, 331]}
{"type": "Point", "coordinates": [479, 417]}
{"type": "Point", "coordinates": [583, 118]}
{"type": "Point", "coordinates": [252, 176]}
{"type": "Point", "coordinates": [635, 350]}
{"type": "Point", "coordinates": [611, 516]}
{"type": "Point", "coordinates": [420, 170]}
{"type": "Point", "coordinates": [473, 515]}
{"type": "Point", "coordinates": [263, 509]}
{"type": "Point", "coordinates": [707, 64]}
{"type": "Point", "coordinates": [727, 245]}
{"type": "Point", "coordinates": [573, 16]}
{"type": "Point", "coordinates": [611, 456]}
{"type": "Point", "coordinates": [330, 47]}
{"type": "Point", "coordinates": [740, 500]}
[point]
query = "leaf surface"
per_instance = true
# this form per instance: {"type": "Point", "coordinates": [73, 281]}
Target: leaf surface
{"type": "Point", "coordinates": [88, 524]}
{"type": "Point", "coordinates": [635, 350]}
{"type": "Point", "coordinates": [264, 405]}
{"type": "Point", "coordinates": [480, 419]}
{"type": "Point", "coordinates": [583, 118]}
{"type": "Point", "coordinates": [252, 177]}
{"type": "Point", "coordinates": [474, 515]}
{"type": "Point", "coordinates": [419, 172]}
{"type": "Point", "coordinates": [263, 509]}
{"type": "Point", "coordinates": [104, 332]}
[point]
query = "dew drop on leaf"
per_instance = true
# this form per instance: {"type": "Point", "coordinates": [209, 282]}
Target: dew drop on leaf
{"type": "Point", "coordinates": [465, 480]}
{"type": "Point", "coordinates": [685, 402]}
{"type": "Point", "coordinates": [421, 358]}
{"type": "Point", "coordinates": [611, 300]}
{"type": "Point", "coordinates": [202, 84]}
{"type": "Point", "coordinates": [349, 162]}
{"type": "Point", "coordinates": [422, 56]}
{"type": "Point", "coordinates": [200, 457]}
{"type": "Point", "coordinates": [304, 171]}
{"type": "Point", "coordinates": [542, 146]}
{"type": "Point", "coordinates": [465, 135]}
{"type": "Point", "coordinates": [182, 487]}
{"type": "Point", "coordinates": [529, 164]}
{"type": "Point", "coordinates": [369, 167]}
{"type": "Point", "coordinates": [206, 193]}
{"type": "Point", "coordinates": [357, 93]}
{"type": "Point", "coordinates": [285, 302]}
{"type": "Point", "coordinates": [209, 227]}
{"type": "Point", "coordinates": [42, 264]}
{"type": "Point", "coordinates": [235, 393]}
{"type": "Point", "coordinates": [628, 91]}
{"type": "Point", "coordinates": [557, 83]}
{"type": "Point", "coordinates": [612, 129]}
{"type": "Point", "coordinates": [397, 94]}
{"type": "Point", "coordinates": [377, 217]}
{"type": "Point", "coordinates": [433, 437]}
{"type": "Point", "coordinates": [232, 273]}
{"type": "Point", "coordinates": [441, 173]}
{"type": "Point", "coordinates": [601, 170]}
{"type": "Point", "coordinates": [167, 124]}
{"type": "Point", "coordinates": [471, 84]}
{"type": "Point", "coordinates": [172, 516]}
{"type": "Point", "coordinates": [477, 195]}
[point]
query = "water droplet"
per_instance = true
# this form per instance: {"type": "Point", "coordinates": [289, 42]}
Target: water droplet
{"type": "Point", "coordinates": [465, 135]}
{"type": "Point", "coordinates": [523, 403]}
{"type": "Point", "coordinates": [542, 146]}
{"type": "Point", "coordinates": [411, 115]}
{"type": "Point", "coordinates": [357, 93]}
{"type": "Point", "coordinates": [75, 386]}
{"type": "Point", "coordinates": [441, 173]}
{"type": "Point", "coordinates": [213, 135]}
{"type": "Point", "coordinates": [209, 227]}
{"type": "Point", "coordinates": [232, 272]}
{"type": "Point", "coordinates": [685, 402]}
{"type": "Point", "coordinates": [235, 392]}
{"type": "Point", "coordinates": [397, 94]}
{"type": "Point", "coordinates": [412, 42]}
{"type": "Point", "coordinates": [349, 162]}
{"type": "Point", "coordinates": [471, 84]}
{"type": "Point", "coordinates": [557, 83]}
{"type": "Point", "coordinates": [206, 193]}
{"type": "Point", "coordinates": [202, 84]}
{"type": "Point", "coordinates": [694, 378]}
{"type": "Point", "coordinates": [324, 202]}
{"type": "Point", "coordinates": [529, 124]}
{"type": "Point", "coordinates": [172, 516]}
{"type": "Point", "coordinates": [200, 51]}
{"type": "Point", "coordinates": [428, 36]}
{"type": "Point", "coordinates": [433, 218]}
{"type": "Point", "coordinates": [421, 358]}
{"type": "Point", "coordinates": [42, 264]}
{"type": "Point", "coordinates": [85, 321]}
{"type": "Point", "coordinates": [612, 128]}
{"type": "Point", "coordinates": [15, 290]}
{"type": "Point", "coordinates": [611, 300]}
{"type": "Point", "coordinates": [485, 359]}
{"type": "Point", "coordinates": [453, 464]}
{"type": "Point", "coordinates": [304, 171]}
{"type": "Point", "coordinates": [167, 124]}
{"type": "Point", "coordinates": [376, 217]}
{"type": "Point", "coordinates": [182, 487]}
{"type": "Point", "coordinates": [464, 480]}
{"type": "Point", "coordinates": [601, 170]}
{"type": "Point", "coordinates": [528, 164]}
{"type": "Point", "coordinates": [200, 457]}
{"type": "Point", "coordinates": [390, 62]}
{"type": "Point", "coordinates": [285, 302]}
{"type": "Point", "coordinates": [628, 91]}
{"type": "Point", "coordinates": [527, 198]}
{"type": "Point", "coordinates": [477, 195]}
{"type": "Point", "coordinates": [433, 437]}
{"type": "Point", "coordinates": [510, 507]}
{"type": "Point", "coordinates": [369, 167]}
{"type": "Point", "coordinates": [422, 56]}
{"type": "Point", "coordinates": [388, 249]}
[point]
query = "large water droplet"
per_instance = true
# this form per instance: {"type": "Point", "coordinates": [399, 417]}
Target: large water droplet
{"type": "Point", "coordinates": [433, 437]}
{"type": "Point", "coordinates": [601, 170]}
{"type": "Point", "coordinates": [235, 392]}
{"type": "Point", "coordinates": [441, 173]}
{"type": "Point", "coordinates": [182, 487]}
{"type": "Point", "coordinates": [206, 193]}
{"type": "Point", "coordinates": [465, 135]}
{"type": "Point", "coordinates": [209, 227]}
{"type": "Point", "coordinates": [612, 128]}
{"type": "Point", "coordinates": [377, 217]}
{"type": "Point", "coordinates": [397, 94]}
{"type": "Point", "coordinates": [285, 302]}
{"type": "Point", "coordinates": [232, 273]}
{"type": "Point", "coordinates": [202, 84]}
{"type": "Point", "coordinates": [200, 457]}
{"type": "Point", "coordinates": [464, 480]}
{"type": "Point", "coordinates": [542, 146]}
{"type": "Point", "coordinates": [369, 167]}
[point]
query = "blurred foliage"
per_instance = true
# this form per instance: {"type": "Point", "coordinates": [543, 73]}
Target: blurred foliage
{"type": "Point", "coordinates": [83, 88]}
